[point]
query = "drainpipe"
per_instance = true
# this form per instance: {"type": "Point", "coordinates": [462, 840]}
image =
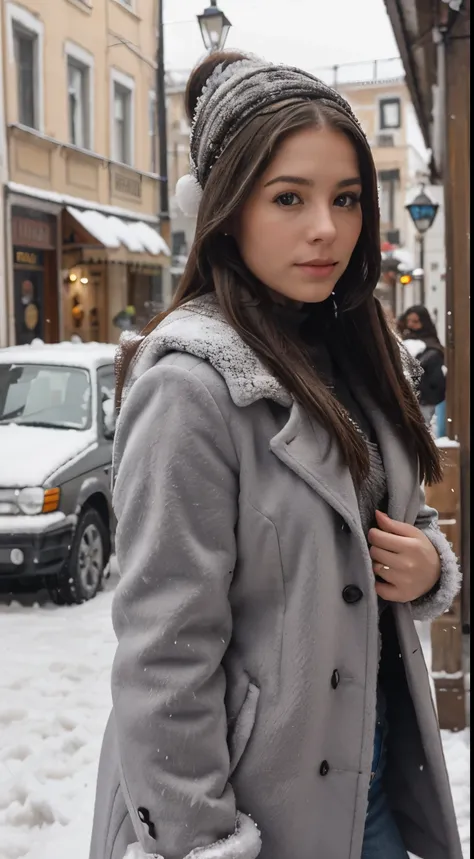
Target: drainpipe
{"type": "Point", "coordinates": [439, 100]}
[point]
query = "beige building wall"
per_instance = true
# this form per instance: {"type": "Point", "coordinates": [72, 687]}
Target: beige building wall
{"type": "Point", "coordinates": [120, 41]}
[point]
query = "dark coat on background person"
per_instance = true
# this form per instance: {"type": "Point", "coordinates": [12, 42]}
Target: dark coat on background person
{"type": "Point", "coordinates": [432, 384]}
{"type": "Point", "coordinates": [244, 685]}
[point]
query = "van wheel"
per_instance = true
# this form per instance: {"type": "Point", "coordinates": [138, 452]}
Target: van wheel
{"type": "Point", "coordinates": [82, 575]}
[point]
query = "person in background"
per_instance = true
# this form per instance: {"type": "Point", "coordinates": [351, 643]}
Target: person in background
{"type": "Point", "coordinates": [420, 337]}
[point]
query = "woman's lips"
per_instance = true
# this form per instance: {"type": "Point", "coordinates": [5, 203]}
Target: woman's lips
{"type": "Point", "coordinates": [318, 271]}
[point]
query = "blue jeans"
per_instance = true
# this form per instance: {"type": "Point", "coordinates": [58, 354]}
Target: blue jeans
{"type": "Point", "coordinates": [441, 419]}
{"type": "Point", "coordinates": [382, 840]}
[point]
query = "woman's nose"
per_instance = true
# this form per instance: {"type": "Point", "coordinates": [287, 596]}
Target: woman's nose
{"type": "Point", "coordinates": [321, 225]}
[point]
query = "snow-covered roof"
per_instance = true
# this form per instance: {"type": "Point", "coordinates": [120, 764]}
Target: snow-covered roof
{"type": "Point", "coordinates": [78, 202]}
{"type": "Point", "coordinates": [111, 231]}
{"type": "Point", "coordinates": [85, 355]}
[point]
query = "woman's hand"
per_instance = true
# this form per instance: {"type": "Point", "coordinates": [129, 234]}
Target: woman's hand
{"type": "Point", "coordinates": [405, 558]}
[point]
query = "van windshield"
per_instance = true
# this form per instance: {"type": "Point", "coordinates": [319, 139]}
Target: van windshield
{"type": "Point", "coordinates": [45, 396]}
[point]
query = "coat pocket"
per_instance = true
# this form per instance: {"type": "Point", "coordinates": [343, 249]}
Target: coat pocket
{"type": "Point", "coordinates": [241, 731]}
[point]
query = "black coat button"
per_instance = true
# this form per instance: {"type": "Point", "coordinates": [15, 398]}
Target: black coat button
{"type": "Point", "coordinates": [352, 594]}
{"type": "Point", "coordinates": [335, 679]}
{"type": "Point", "coordinates": [345, 527]}
{"type": "Point", "coordinates": [324, 768]}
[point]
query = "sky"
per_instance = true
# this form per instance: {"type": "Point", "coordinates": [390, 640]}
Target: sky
{"type": "Point", "coordinates": [311, 34]}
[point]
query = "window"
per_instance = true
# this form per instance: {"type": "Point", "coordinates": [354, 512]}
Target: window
{"type": "Point", "coordinates": [48, 396]}
{"type": "Point", "coordinates": [78, 103]}
{"type": "Point", "coordinates": [122, 125]}
{"type": "Point", "coordinates": [25, 47]}
{"type": "Point", "coordinates": [145, 295]}
{"type": "Point", "coordinates": [26, 57]}
{"type": "Point", "coordinates": [80, 88]}
{"type": "Point", "coordinates": [390, 113]}
{"type": "Point", "coordinates": [388, 180]}
{"type": "Point", "coordinates": [153, 132]}
{"type": "Point", "coordinates": [179, 244]}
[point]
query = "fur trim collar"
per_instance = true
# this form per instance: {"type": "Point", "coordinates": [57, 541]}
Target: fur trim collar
{"type": "Point", "coordinates": [200, 329]}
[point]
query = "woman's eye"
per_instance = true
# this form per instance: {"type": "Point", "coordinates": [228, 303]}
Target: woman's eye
{"type": "Point", "coordinates": [347, 201]}
{"type": "Point", "coordinates": [287, 199]}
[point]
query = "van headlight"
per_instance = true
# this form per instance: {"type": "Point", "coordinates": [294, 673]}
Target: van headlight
{"type": "Point", "coordinates": [35, 500]}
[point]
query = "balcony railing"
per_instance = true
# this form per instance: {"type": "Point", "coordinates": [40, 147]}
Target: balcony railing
{"type": "Point", "coordinates": [368, 72]}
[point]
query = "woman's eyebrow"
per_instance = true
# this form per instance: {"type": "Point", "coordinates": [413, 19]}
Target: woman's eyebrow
{"type": "Point", "coordinates": [299, 180]}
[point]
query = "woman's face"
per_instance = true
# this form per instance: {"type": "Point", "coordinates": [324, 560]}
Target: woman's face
{"type": "Point", "coordinates": [414, 322]}
{"type": "Point", "coordinates": [301, 223]}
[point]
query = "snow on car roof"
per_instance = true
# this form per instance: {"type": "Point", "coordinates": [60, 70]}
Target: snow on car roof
{"type": "Point", "coordinates": [86, 355]}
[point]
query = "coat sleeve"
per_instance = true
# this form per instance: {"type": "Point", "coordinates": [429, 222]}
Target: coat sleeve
{"type": "Point", "coordinates": [440, 598]}
{"type": "Point", "coordinates": [176, 504]}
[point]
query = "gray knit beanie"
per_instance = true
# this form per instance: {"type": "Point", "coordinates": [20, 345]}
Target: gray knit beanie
{"type": "Point", "coordinates": [231, 98]}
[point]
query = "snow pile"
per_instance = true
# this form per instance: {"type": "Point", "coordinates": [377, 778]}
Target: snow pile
{"type": "Point", "coordinates": [457, 752]}
{"type": "Point", "coordinates": [55, 701]}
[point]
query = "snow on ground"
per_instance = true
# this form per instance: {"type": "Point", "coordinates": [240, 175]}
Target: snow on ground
{"type": "Point", "coordinates": [54, 703]}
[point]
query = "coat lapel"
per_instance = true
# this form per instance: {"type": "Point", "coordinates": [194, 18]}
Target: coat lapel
{"type": "Point", "coordinates": [306, 448]}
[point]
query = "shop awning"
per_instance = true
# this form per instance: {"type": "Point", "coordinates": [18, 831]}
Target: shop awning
{"type": "Point", "coordinates": [115, 240]}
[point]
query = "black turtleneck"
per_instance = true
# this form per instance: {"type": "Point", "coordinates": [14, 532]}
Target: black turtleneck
{"type": "Point", "coordinates": [309, 324]}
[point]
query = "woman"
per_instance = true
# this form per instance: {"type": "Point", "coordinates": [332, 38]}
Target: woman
{"type": "Point", "coordinates": [268, 457]}
{"type": "Point", "coordinates": [419, 334]}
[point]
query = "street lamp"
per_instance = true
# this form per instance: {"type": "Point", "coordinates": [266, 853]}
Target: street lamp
{"type": "Point", "coordinates": [422, 211]}
{"type": "Point", "coordinates": [214, 27]}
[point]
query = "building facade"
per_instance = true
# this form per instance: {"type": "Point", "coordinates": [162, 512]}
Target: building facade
{"type": "Point", "coordinates": [81, 194]}
{"type": "Point", "coordinates": [381, 100]}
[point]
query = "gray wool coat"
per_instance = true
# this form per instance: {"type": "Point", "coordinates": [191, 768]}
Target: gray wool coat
{"type": "Point", "coordinates": [244, 684]}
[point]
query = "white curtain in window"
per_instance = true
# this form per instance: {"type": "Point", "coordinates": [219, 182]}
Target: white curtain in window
{"type": "Point", "coordinates": [391, 115]}
{"type": "Point", "coordinates": [77, 106]}
{"type": "Point", "coordinates": [121, 130]}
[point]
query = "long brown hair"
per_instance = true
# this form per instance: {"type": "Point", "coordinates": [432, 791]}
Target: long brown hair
{"type": "Point", "coordinates": [215, 266]}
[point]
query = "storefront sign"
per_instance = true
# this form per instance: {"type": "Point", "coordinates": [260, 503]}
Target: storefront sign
{"type": "Point", "coordinates": [129, 184]}
{"type": "Point", "coordinates": [26, 258]}
{"type": "Point", "coordinates": [33, 234]}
